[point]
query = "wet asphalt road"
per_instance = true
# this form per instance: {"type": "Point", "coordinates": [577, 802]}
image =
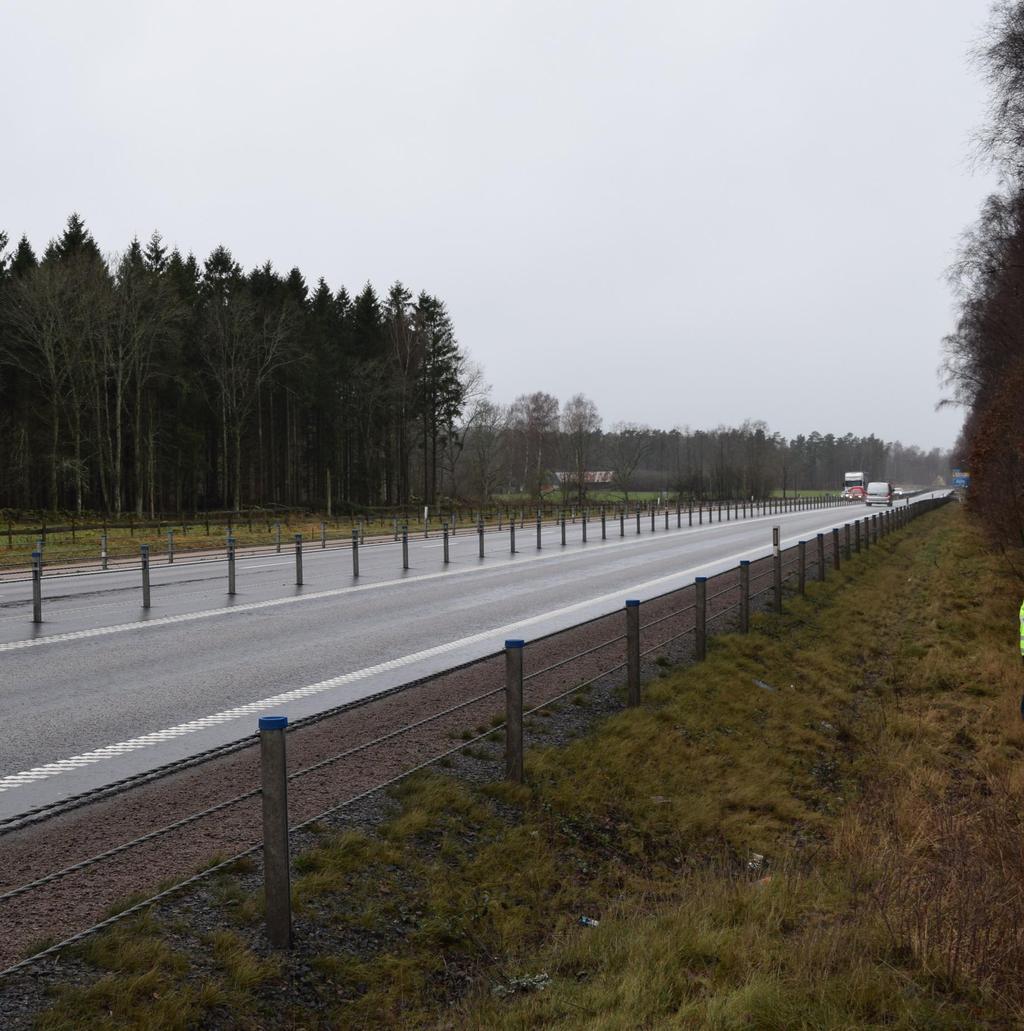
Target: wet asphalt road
{"type": "Point", "coordinates": [80, 690]}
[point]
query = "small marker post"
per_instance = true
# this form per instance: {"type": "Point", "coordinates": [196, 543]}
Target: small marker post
{"type": "Point", "coordinates": [276, 873]}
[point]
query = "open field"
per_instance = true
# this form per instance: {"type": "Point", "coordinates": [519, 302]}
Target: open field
{"type": "Point", "coordinates": [807, 830]}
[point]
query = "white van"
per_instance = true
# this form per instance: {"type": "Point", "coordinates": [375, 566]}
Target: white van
{"type": "Point", "coordinates": [879, 494]}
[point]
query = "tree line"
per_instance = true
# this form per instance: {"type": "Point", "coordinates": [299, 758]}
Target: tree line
{"type": "Point", "coordinates": [151, 382]}
{"type": "Point", "coordinates": [984, 355]}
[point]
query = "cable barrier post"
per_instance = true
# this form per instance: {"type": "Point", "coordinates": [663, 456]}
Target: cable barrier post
{"type": "Point", "coordinates": [405, 545]}
{"type": "Point", "coordinates": [170, 547]}
{"type": "Point", "coordinates": [444, 542]}
{"type": "Point", "coordinates": [846, 541]}
{"type": "Point", "coordinates": [231, 566]}
{"type": "Point", "coordinates": [355, 553]}
{"type": "Point", "coordinates": [37, 587]}
{"type": "Point", "coordinates": [539, 524]}
{"type": "Point", "coordinates": [277, 535]}
{"type": "Point", "coordinates": [514, 711]}
{"type": "Point", "coordinates": [563, 527]}
{"type": "Point", "coordinates": [583, 523]}
{"type": "Point", "coordinates": [103, 551]}
{"type": "Point", "coordinates": [622, 522]}
{"type": "Point", "coordinates": [633, 652]}
{"type": "Point", "coordinates": [298, 560]}
{"type": "Point", "coordinates": [276, 874]}
{"type": "Point", "coordinates": [512, 536]}
{"type": "Point", "coordinates": [144, 555]}
{"type": "Point", "coordinates": [802, 566]}
{"type": "Point", "coordinates": [744, 596]}
{"type": "Point", "coordinates": [835, 547]}
{"type": "Point", "coordinates": [777, 567]}
{"type": "Point", "coordinates": [821, 557]}
{"type": "Point", "coordinates": [700, 625]}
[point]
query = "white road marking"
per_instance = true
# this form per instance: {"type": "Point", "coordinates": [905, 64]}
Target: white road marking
{"type": "Point", "coordinates": [495, 634]}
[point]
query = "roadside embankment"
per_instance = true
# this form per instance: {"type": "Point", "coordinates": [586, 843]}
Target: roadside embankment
{"type": "Point", "coordinates": [818, 826]}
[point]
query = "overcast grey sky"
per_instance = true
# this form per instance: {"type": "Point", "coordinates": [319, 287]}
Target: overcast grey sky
{"type": "Point", "coordinates": [695, 212]}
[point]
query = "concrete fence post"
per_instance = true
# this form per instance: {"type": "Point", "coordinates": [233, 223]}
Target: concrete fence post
{"type": "Point", "coordinates": [801, 550]}
{"type": "Point", "coordinates": [700, 620]}
{"type": "Point", "coordinates": [144, 556]}
{"type": "Point", "coordinates": [632, 652]}
{"type": "Point", "coordinates": [480, 534]}
{"type": "Point", "coordinates": [170, 547]}
{"type": "Point", "coordinates": [276, 866]}
{"type": "Point", "coordinates": [405, 545]}
{"type": "Point", "coordinates": [231, 566]}
{"type": "Point", "coordinates": [821, 556]}
{"type": "Point", "coordinates": [298, 560]}
{"type": "Point", "coordinates": [835, 547]}
{"type": "Point", "coordinates": [103, 551]}
{"type": "Point", "coordinates": [744, 596]}
{"type": "Point", "coordinates": [37, 587]}
{"type": "Point", "coordinates": [355, 553]}
{"type": "Point", "coordinates": [514, 711]}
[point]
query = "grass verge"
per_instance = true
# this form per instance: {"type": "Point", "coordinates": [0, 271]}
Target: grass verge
{"type": "Point", "coordinates": [837, 845]}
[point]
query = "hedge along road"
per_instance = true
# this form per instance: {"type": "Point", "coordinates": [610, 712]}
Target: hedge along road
{"type": "Point", "coordinates": [101, 690]}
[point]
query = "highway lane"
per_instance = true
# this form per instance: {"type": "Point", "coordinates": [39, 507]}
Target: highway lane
{"type": "Point", "coordinates": [97, 693]}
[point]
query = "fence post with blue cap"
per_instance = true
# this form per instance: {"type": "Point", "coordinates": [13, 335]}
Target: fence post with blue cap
{"type": "Point", "coordinates": [276, 874]}
{"type": "Point", "coordinates": [514, 710]}
{"type": "Point", "coordinates": [632, 652]}
{"type": "Point", "coordinates": [144, 554]}
{"type": "Point", "coordinates": [298, 560]}
{"type": "Point", "coordinates": [355, 553]}
{"type": "Point", "coordinates": [700, 619]}
{"type": "Point", "coordinates": [37, 587]}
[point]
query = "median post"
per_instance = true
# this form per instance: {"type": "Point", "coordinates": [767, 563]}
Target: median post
{"type": "Point", "coordinates": [638, 519]}
{"type": "Point", "coordinates": [622, 522]}
{"type": "Point", "coordinates": [512, 536]}
{"type": "Point", "coordinates": [480, 532]}
{"type": "Point", "coordinates": [514, 711]}
{"type": "Point", "coordinates": [835, 547]}
{"type": "Point", "coordinates": [700, 622]}
{"type": "Point", "coordinates": [563, 527]}
{"type": "Point", "coordinates": [277, 535]}
{"type": "Point", "coordinates": [632, 652]}
{"type": "Point", "coordinates": [231, 565]}
{"type": "Point", "coordinates": [444, 541]}
{"type": "Point", "coordinates": [405, 545]}
{"type": "Point", "coordinates": [144, 554]}
{"type": "Point", "coordinates": [801, 550]}
{"type": "Point", "coordinates": [604, 527]}
{"type": "Point", "coordinates": [323, 534]}
{"type": "Point", "coordinates": [355, 553]}
{"type": "Point", "coordinates": [103, 551]}
{"type": "Point", "coordinates": [170, 547]}
{"type": "Point", "coordinates": [276, 874]}
{"type": "Point", "coordinates": [777, 567]}
{"type": "Point", "coordinates": [37, 587]}
{"type": "Point", "coordinates": [744, 596]}
{"type": "Point", "coordinates": [583, 522]}
{"type": "Point", "coordinates": [298, 560]}
{"type": "Point", "coordinates": [821, 557]}
{"type": "Point", "coordinates": [538, 529]}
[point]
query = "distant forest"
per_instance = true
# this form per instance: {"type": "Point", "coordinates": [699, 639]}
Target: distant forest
{"type": "Point", "coordinates": [149, 382]}
{"type": "Point", "coordinates": [984, 356]}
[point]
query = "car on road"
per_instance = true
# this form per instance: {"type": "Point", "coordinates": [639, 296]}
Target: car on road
{"type": "Point", "coordinates": [879, 493]}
